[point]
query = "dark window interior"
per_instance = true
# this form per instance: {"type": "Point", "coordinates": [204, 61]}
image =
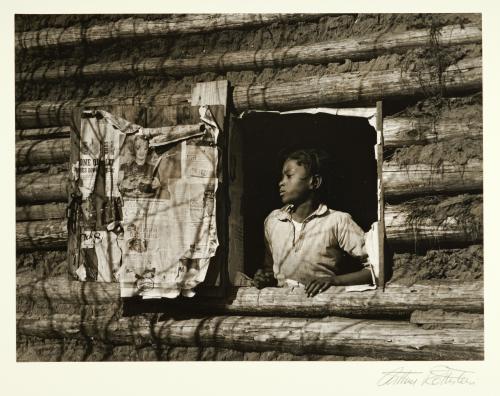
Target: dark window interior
{"type": "Point", "coordinates": [351, 181]}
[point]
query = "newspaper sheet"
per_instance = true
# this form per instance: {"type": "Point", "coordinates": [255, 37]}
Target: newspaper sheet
{"type": "Point", "coordinates": [168, 241]}
{"type": "Point", "coordinates": [90, 151]}
{"type": "Point", "coordinates": [161, 241]}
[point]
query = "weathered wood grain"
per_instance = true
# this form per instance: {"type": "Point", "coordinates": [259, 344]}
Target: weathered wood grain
{"type": "Point", "coordinates": [48, 234]}
{"type": "Point", "coordinates": [41, 187]}
{"type": "Point", "coordinates": [50, 151]}
{"type": "Point", "coordinates": [357, 88]}
{"type": "Point", "coordinates": [447, 319]}
{"type": "Point", "coordinates": [33, 349]}
{"type": "Point", "coordinates": [139, 28]}
{"type": "Point", "coordinates": [460, 122]}
{"type": "Point", "coordinates": [355, 49]}
{"type": "Point", "coordinates": [43, 133]}
{"type": "Point", "coordinates": [55, 210]}
{"type": "Point", "coordinates": [329, 335]}
{"type": "Point", "coordinates": [330, 89]}
{"type": "Point", "coordinates": [398, 301]}
{"type": "Point", "coordinates": [43, 114]}
{"type": "Point", "coordinates": [422, 179]}
{"type": "Point", "coordinates": [402, 229]}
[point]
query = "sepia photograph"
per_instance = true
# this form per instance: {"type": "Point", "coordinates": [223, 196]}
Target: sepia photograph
{"type": "Point", "coordinates": [250, 187]}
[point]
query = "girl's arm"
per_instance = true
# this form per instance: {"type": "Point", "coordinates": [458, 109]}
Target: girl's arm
{"type": "Point", "coordinates": [354, 278]}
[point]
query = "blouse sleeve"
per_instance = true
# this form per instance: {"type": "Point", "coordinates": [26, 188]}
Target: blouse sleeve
{"type": "Point", "coordinates": [352, 239]}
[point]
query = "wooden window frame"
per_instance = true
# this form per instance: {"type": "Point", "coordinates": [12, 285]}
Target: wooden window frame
{"type": "Point", "coordinates": [374, 117]}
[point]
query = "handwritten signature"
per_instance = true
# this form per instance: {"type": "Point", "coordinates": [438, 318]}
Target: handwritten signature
{"type": "Point", "coordinates": [438, 375]}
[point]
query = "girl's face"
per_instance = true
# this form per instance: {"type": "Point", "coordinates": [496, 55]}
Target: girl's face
{"type": "Point", "coordinates": [296, 183]}
{"type": "Point", "coordinates": [141, 151]}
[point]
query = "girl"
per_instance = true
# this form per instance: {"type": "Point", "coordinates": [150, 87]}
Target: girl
{"type": "Point", "coordinates": [306, 241]}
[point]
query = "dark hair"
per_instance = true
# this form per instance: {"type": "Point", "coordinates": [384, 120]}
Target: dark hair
{"type": "Point", "coordinates": [314, 160]}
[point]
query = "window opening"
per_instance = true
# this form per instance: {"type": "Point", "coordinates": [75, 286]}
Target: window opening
{"type": "Point", "coordinates": [352, 180]}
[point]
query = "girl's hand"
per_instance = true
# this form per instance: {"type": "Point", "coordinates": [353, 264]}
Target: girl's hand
{"type": "Point", "coordinates": [319, 286]}
{"type": "Point", "coordinates": [263, 278]}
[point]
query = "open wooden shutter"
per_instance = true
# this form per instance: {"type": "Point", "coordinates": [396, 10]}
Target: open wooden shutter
{"type": "Point", "coordinates": [212, 94]}
{"type": "Point", "coordinates": [236, 218]}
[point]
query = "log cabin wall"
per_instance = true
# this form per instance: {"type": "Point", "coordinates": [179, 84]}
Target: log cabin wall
{"type": "Point", "coordinates": [426, 68]}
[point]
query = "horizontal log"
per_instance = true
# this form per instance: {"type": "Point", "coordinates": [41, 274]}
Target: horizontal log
{"type": "Point", "coordinates": [51, 169]}
{"type": "Point", "coordinates": [42, 187]}
{"type": "Point", "coordinates": [130, 28]}
{"type": "Point", "coordinates": [49, 151]}
{"type": "Point", "coordinates": [415, 224]}
{"type": "Point", "coordinates": [357, 87]}
{"type": "Point", "coordinates": [460, 122]}
{"type": "Point", "coordinates": [422, 179]}
{"type": "Point", "coordinates": [355, 49]}
{"type": "Point", "coordinates": [43, 350]}
{"type": "Point", "coordinates": [42, 114]}
{"type": "Point", "coordinates": [48, 234]}
{"type": "Point", "coordinates": [43, 133]}
{"type": "Point", "coordinates": [330, 89]}
{"type": "Point", "coordinates": [397, 301]}
{"type": "Point", "coordinates": [48, 211]}
{"type": "Point", "coordinates": [442, 318]}
{"type": "Point", "coordinates": [46, 307]}
{"type": "Point", "coordinates": [330, 335]}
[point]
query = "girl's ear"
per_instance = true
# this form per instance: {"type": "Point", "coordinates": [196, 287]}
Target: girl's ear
{"type": "Point", "coordinates": [316, 181]}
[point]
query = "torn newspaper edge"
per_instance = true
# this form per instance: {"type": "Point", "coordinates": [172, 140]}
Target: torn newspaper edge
{"type": "Point", "coordinates": [370, 113]}
{"type": "Point", "coordinates": [118, 123]}
{"type": "Point", "coordinates": [168, 135]}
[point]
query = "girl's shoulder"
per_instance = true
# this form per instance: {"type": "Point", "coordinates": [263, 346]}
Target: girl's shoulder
{"type": "Point", "coordinates": [339, 216]}
{"type": "Point", "coordinates": [282, 213]}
